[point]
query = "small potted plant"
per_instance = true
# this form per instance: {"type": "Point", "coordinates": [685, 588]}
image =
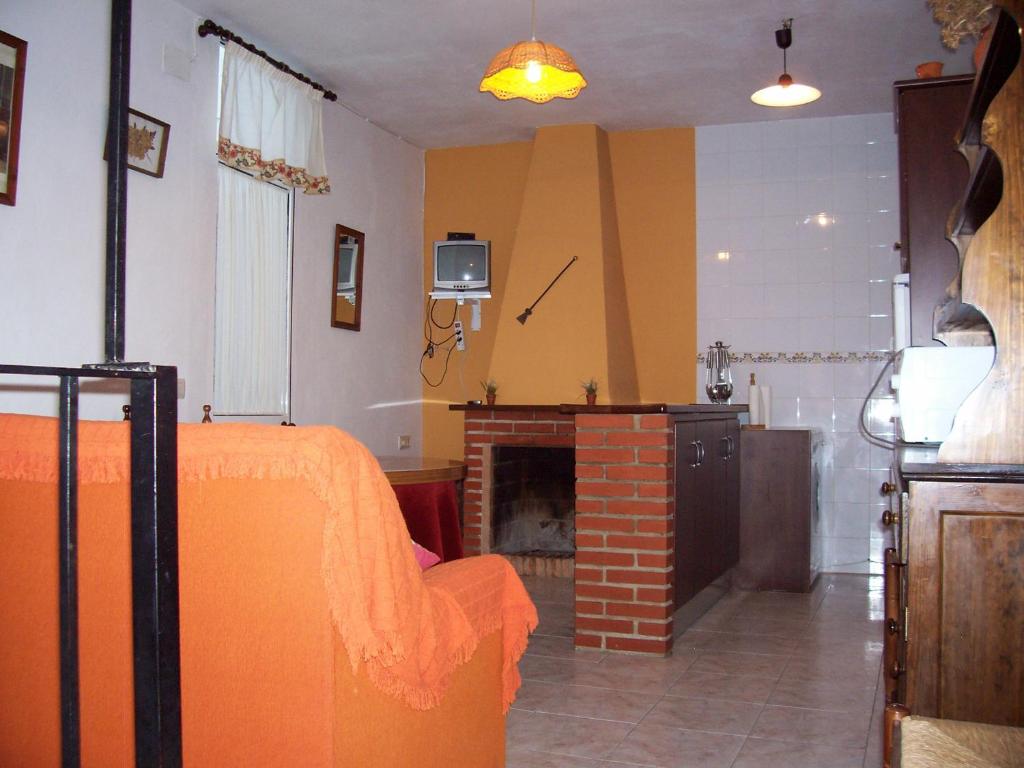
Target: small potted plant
{"type": "Point", "coordinates": [590, 388]}
{"type": "Point", "coordinates": [490, 390]}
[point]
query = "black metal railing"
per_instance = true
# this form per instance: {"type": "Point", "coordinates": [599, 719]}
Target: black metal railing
{"type": "Point", "coordinates": [154, 554]}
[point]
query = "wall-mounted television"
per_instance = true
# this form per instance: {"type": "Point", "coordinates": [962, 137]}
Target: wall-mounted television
{"type": "Point", "coordinates": [462, 267]}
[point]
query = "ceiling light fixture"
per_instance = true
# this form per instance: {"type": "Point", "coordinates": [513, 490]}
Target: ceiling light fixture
{"type": "Point", "coordinates": [785, 93]}
{"type": "Point", "coordinates": [534, 70]}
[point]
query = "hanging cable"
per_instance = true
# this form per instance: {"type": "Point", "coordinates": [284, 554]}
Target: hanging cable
{"type": "Point", "coordinates": [862, 426]}
{"type": "Point", "coordinates": [455, 314]}
{"type": "Point", "coordinates": [429, 323]}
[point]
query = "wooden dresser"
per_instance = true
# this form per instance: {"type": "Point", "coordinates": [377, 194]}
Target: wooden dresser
{"type": "Point", "coordinates": [954, 624]}
{"type": "Point", "coordinates": [954, 643]}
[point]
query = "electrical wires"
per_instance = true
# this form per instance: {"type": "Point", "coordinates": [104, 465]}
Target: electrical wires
{"type": "Point", "coordinates": [437, 347]}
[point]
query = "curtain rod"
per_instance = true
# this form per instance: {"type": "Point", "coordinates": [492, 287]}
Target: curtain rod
{"type": "Point", "coordinates": [210, 28]}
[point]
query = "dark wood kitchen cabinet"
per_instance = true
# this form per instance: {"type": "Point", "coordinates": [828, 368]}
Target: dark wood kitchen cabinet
{"type": "Point", "coordinates": [929, 113]}
{"type": "Point", "coordinates": [706, 500]}
{"type": "Point", "coordinates": [780, 545]}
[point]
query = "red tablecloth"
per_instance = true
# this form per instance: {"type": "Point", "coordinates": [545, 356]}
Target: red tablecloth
{"type": "Point", "coordinates": [431, 512]}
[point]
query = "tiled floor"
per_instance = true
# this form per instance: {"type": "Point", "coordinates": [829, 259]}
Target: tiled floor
{"type": "Point", "coordinates": [762, 680]}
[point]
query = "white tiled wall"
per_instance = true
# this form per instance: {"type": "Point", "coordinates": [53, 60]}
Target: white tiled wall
{"type": "Point", "coordinates": [807, 211]}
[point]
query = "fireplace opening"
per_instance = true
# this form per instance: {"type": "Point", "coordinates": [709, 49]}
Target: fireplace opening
{"type": "Point", "coordinates": [533, 501]}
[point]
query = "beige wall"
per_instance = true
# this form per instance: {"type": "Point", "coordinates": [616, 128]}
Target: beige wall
{"type": "Point", "coordinates": [625, 313]}
{"type": "Point", "coordinates": [468, 189]}
{"type": "Point", "coordinates": [52, 242]}
{"type": "Point", "coordinates": [656, 198]}
{"type": "Point", "coordinates": [582, 324]}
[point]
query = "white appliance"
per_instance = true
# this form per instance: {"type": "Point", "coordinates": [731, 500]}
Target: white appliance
{"type": "Point", "coordinates": [930, 384]}
{"type": "Point", "coordinates": [901, 311]}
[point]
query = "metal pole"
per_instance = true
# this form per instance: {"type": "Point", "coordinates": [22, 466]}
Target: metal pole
{"type": "Point", "coordinates": [70, 731]}
{"type": "Point", "coordinates": [117, 176]}
{"type": "Point", "coordinates": [155, 569]}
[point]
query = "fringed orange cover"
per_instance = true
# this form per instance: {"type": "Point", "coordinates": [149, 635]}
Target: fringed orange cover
{"type": "Point", "coordinates": [410, 629]}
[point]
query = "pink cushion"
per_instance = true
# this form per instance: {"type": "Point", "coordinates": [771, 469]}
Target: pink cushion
{"type": "Point", "coordinates": [424, 556]}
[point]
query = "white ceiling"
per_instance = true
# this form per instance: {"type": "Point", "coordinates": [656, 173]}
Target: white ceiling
{"type": "Point", "coordinates": [413, 66]}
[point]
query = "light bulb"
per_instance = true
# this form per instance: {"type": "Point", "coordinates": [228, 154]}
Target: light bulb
{"type": "Point", "coordinates": [533, 71]}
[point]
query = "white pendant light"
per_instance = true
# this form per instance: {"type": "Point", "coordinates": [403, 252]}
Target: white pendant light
{"type": "Point", "coordinates": [785, 93]}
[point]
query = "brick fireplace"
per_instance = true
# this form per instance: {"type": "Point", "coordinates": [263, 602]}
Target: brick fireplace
{"type": "Point", "coordinates": [485, 429]}
{"type": "Point", "coordinates": [623, 508]}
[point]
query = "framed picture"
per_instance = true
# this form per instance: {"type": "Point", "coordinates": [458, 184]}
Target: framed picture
{"type": "Point", "coordinates": [12, 84]}
{"type": "Point", "coordinates": [147, 143]}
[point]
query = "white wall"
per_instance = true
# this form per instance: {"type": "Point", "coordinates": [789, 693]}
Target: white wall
{"type": "Point", "coordinates": [792, 285]}
{"type": "Point", "coordinates": [52, 242]}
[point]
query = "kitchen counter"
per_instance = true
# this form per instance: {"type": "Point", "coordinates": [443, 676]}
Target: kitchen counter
{"type": "Point", "coordinates": [920, 462]}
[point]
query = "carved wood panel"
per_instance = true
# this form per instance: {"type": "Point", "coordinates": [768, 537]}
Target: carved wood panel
{"type": "Point", "coordinates": [989, 426]}
{"type": "Point", "coordinates": [965, 652]}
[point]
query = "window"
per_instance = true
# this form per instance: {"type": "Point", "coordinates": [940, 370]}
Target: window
{"type": "Point", "coordinates": [252, 314]}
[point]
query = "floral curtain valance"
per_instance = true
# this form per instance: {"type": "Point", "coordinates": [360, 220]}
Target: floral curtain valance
{"type": "Point", "coordinates": [270, 123]}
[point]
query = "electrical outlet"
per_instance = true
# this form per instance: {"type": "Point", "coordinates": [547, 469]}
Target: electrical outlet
{"type": "Point", "coordinates": [404, 442]}
{"type": "Point", "coordinates": [460, 338]}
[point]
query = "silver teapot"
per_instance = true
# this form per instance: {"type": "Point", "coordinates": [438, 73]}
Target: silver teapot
{"type": "Point", "coordinates": [718, 382]}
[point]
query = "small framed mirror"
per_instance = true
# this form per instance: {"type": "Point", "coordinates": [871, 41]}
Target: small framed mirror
{"type": "Point", "coordinates": [347, 285]}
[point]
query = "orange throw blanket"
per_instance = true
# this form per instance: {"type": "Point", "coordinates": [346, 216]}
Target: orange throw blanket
{"type": "Point", "coordinates": [410, 629]}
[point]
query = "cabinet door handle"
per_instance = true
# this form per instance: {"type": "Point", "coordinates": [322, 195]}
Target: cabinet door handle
{"type": "Point", "coordinates": [700, 452]}
{"type": "Point", "coordinates": [696, 453]}
{"type": "Point", "coordinates": [729, 450]}
{"type": "Point", "coordinates": [887, 488]}
{"type": "Point", "coordinates": [723, 452]}
{"type": "Point", "coordinates": [888, 518]}
{"type": "Point", "coordinates": [892, 627]}
{"type": "Point", "coordinates": [732, 447]}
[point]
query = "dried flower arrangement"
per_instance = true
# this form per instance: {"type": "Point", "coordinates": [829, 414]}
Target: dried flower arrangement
{"type": "Point", "coordinates": [960, 19]}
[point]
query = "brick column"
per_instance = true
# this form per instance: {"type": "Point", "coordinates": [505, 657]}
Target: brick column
{"type": "Point", "coordinates": [624, 532]}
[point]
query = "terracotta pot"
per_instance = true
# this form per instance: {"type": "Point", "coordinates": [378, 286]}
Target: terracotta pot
{"type": "Point", "coordinates": [982, 47]}
{"type": "Point", "coordinates": [491, 397]}
{"type": "Point", "coordinates": [591, 398]}
{"type": "Point", "coordinates": [929, 69]}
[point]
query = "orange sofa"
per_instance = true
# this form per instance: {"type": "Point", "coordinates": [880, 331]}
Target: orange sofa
{"type": "Point", "coordinates": [309, 635]}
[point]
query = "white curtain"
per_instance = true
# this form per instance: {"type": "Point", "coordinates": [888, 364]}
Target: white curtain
{"type": "Point", "coordinates": [252, 312]}
{"type": "Point", "coordinates": [270, 123]}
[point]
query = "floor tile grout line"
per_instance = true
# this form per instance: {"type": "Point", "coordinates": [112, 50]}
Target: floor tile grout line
{"type": "Point", "coordinates": [874, 708]}
{"type": "Point", "coordinates": [581, 717]}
